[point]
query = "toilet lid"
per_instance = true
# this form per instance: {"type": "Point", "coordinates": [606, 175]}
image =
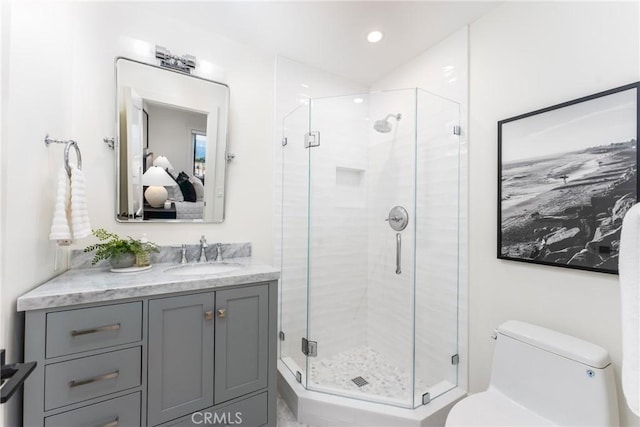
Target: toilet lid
{"type": "Point", "coordinates": [492, 408]}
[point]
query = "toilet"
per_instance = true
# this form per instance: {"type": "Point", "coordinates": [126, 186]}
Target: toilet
{"type": "Point", "coordinates": [542, 377]}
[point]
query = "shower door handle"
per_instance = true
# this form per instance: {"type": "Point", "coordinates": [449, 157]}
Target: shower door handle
{"type": "Point", "coordinates": [398, 252]}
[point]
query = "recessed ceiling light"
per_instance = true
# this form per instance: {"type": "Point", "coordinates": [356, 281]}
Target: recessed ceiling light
{"type": "Point", "coordinates": [374, 36]}
{"type": "Point", "coordinates": [358, 100]}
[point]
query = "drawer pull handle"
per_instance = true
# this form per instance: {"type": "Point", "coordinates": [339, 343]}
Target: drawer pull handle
{"type": "Point", "coordinates": [222, 313]}
{"type": "Point", "coordinates": [113, 423]}
{"type": "Point", "coordinates": [105, 377]}
{"type": "Point", "coordinates": [208, 315]}
{"type": "Point", "coordinates": [114, 327]}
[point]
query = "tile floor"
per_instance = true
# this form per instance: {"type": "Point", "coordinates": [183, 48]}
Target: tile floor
{"type": "Point", "coordinates": [285, 417]}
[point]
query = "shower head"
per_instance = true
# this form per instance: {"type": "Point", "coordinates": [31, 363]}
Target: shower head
{"type": "Point", "coordinates": [383, 126]}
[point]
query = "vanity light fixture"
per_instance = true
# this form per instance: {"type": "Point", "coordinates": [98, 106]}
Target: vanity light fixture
{"type": "Point", "coordinates": [156, 178]}
{"type": "Point", "coordinates": [374, 36]}
{"type": "Point", "coordinates": [184, 63]}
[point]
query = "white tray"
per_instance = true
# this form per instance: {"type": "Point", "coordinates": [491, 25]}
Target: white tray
{"type": "Point", "coordinates": [133, 269]}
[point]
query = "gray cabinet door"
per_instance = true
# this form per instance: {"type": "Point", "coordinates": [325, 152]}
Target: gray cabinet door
{"type": "Point", "coordinates": [242, 345]}
{"type": "Point", "coordinates": [180, 379]}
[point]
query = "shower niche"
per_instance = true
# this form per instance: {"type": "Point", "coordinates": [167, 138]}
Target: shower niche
{"type": "Point", "coordinates": [379, 335]}
{"type": "Point", "coordinates": [350, 187]}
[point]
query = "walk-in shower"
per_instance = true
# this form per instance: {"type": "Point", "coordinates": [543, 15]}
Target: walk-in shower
{"type": "Point", "coordinates": [369, 249]}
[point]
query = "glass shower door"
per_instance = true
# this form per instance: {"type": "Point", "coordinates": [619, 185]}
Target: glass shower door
{"type": "Point", "coordinates": [294, 220]}
{"type": "Point", "coordinates": [438, 185]}
{"type": "Point", "coordinates": [361, 270]}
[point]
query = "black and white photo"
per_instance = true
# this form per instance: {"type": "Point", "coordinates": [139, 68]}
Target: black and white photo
{"type": "Point", "coordinates": [567, 176]}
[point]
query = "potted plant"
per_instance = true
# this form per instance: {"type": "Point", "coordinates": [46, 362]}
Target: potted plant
{"type": "Point", "coordinates": [121, 253]}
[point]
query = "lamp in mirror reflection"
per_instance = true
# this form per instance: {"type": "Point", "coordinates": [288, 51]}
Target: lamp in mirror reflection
{"type": "Point", "coordinates": [156, 178]}
{"type": "Point", "coordinates": [163, 162]}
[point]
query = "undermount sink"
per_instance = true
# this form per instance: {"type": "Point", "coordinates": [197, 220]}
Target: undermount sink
{"type": "Point", "coordinates": [204, 268]}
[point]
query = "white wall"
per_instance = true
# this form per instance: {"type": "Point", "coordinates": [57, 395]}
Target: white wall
{"type": "Point", "coordinates": [61, 80]}
{"type": "Point", "coordinates": [38, 87]}
{"type": "Point", "coordinates": [170, 135]}
{"type": "Point", "coordinates": [5, 31]}
{"type": "Point", "coordinates": [525, 56]}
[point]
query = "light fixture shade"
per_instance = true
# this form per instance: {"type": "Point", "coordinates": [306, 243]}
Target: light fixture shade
{"type": "Point", "coordinates": [157, 176]}
{"type": "Point", "coordinates": [163, 162]}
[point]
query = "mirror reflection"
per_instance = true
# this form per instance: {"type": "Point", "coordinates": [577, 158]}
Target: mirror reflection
{"type": "Point", "coordinates": [171, 145]}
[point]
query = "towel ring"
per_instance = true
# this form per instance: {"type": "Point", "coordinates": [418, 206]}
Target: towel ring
{"type": "Point", "coordinates": [67, 145]}
{"type": "Point", "coordinates": [66, 155]}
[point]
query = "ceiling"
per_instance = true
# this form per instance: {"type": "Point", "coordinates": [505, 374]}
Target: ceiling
{"type": "Point", "coordinates": [331, 35]}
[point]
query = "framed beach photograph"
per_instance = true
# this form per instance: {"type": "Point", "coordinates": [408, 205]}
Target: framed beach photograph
{"type": "Point", "coordinates": [567, 175]}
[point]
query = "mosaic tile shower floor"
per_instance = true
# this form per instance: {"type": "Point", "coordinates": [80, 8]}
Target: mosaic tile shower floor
{"type": "Point", "coordinates": [385, 379]}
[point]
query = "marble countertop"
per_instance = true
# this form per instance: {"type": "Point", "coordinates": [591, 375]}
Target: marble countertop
{"type": "Point", "coordinates": [88, 285]}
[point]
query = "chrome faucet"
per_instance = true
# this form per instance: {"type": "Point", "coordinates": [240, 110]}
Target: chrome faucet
{"type": "Point", "coordinates": [218, 252]}
{"type": "Point", "coordinates": [203, 246]}
{"type": "Point", "coordinates": [184, 254]}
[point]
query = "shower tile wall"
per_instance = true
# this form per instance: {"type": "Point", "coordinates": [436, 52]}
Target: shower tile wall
{"type": "Point", "coordinates": [443, 69]}
{"type": "Point", "coordinates": [391, 175]}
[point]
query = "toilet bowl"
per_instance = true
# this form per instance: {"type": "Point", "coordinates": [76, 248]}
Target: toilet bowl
{"type": "Point", "coordinates": [541, 377]}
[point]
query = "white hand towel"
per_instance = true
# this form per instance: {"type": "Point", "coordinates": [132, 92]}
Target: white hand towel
{"type": "Point", "coordinates": [79, 213]}
{"type": "Point", "coordinates": [629, 268]}
{"type": "Point", "coordinates": [60, 224]}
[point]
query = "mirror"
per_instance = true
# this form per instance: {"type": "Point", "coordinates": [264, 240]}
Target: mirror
{"type": "Point", "coordinates": [171, 145]}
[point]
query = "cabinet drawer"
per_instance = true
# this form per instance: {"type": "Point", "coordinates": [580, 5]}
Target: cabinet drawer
{"type": "Point", "coordinates": [92, 328]}
{"type": "Point", "coordinates": [120, 412]}
{"type": "Point", "coordinates": [250, 412]}
{"type": "Point", "coordinates": [89, 377]}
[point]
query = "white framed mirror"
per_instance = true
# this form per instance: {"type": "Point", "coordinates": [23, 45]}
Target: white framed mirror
{"type": "Point", "coordinates": [171, 145]}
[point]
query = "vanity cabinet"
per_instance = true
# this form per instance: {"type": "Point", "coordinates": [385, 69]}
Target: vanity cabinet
{"type": "Point", "coordinates": [181, 355]}
{"type": "Point", "coordinates": [242, 348]}
{"type": "Point", "coordinates": [156, 360]}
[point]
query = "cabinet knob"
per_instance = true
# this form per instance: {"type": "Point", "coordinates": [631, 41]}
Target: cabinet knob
{"type": "Point", "coordinates": [208, 315]}
{"type": "Point", "coordinates": [222, 313]}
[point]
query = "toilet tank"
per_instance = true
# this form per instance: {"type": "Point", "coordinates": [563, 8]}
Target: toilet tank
{"type": "Point", "coordinates": [562, 378]}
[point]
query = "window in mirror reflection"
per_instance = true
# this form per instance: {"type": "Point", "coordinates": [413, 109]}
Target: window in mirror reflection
{"type": "Point", "coordinates": [199, 154]}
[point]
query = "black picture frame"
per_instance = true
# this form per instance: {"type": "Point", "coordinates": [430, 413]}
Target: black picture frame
{"type": "Point", "coordinates": [567, 174]}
